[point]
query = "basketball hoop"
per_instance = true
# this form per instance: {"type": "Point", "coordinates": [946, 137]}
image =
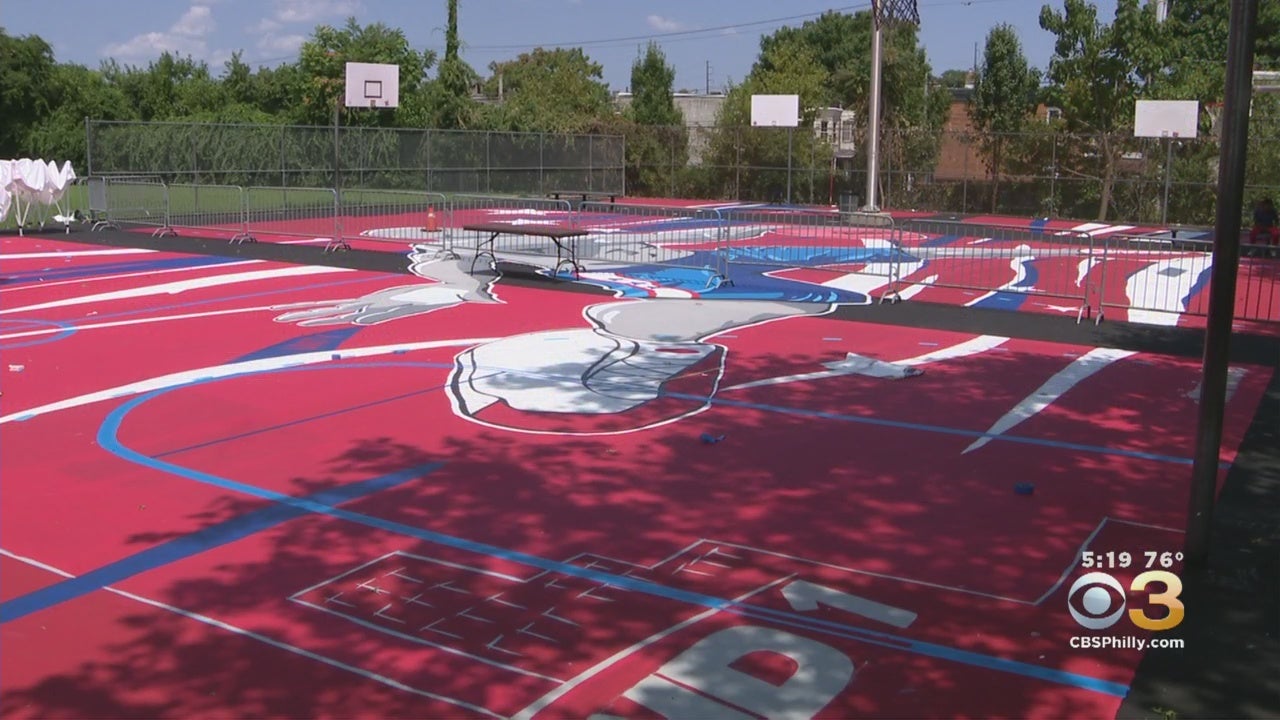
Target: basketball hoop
{"type": "Point", "coordinates": [895, 12]}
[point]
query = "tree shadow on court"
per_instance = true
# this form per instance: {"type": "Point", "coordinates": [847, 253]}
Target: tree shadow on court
{"type": "Point", "coordinates": [854, 483]}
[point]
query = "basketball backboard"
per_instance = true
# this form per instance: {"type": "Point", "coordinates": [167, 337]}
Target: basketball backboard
{"type": "Point", "coordinates": [1166, 118]}
{"type": "Point", "coordinates": [775, 110]}
{"type": "Point", "coordinates": [373, 85]}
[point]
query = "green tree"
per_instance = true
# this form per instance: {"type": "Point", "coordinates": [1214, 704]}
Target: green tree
{"type": "Point", "coordinates": [652, 94]}
{"type": "Point", "coordinates": [1004, 97]}
{"type": "Point", "coordinates": [26, 69]}
{"type": "Point", "coordinates": [452, 106]}
{"type": "Point", "coordinates": [954, 78]}
{"type": "Point", "coordinates": [656, 140]}
{"type": "Point", "coordinates": [76, 92]}
{"type": "Point", "coordinates": [790, 68]}
{"type": "Point", "coordinates": [560, 90]}
{"type": "Point", "coordinates": [323, 58]}
{"type": "Point", "coordinates": [911, 116]}
{"type": "Point", "coordinates": [1095, 77]}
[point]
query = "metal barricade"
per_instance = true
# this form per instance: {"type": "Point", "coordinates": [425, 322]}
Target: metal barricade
{"type": "Point", "coordinates": [129, 201]}
{"type": "Point", "coordinates": [1157, 280]}
{"type": "Point", "coordinates": [402, 216]}
{"type": "Point", "coordinates": [471, 209]}
{"type": "Point", "coordinates": [648, 235]}
{"type": "Point", "coordinates": [1001, 267]}
{"type": "Point", "coordinates": [215, 211]}
{"type": "Point", "coordinates": [292, 212]}
{"type": "Point", "coordinates": [861, 250]}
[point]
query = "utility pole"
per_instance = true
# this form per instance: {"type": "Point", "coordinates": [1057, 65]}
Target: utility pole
{"type": "Point", "coordinates": [708, 77]}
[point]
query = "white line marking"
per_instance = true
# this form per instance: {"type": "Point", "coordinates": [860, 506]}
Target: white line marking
{"type": "Point", "coordinates": [421, 641]}
{"type": "Point", "coordinates": [541, 703]}
{"type": "Point", "coordinates": [267, 641]}
{"type": "Point", "coordinates": [122, 276]}
{"type": "Point", "coordinates": [1072, 565]}
{"type": "Point", "coordinates": [134, 321]}
{"type": "Point", "coordinates": [1052, 390]}
{"type": "Point", "coordinates": [74, 254]}
{"type": "Point", "coordinates": [181, 286]}
{"type": "Point", "coordinates": [231, 370]}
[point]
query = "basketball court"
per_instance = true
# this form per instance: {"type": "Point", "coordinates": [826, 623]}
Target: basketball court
{"type": "Point", "coordinates": [246, 487]}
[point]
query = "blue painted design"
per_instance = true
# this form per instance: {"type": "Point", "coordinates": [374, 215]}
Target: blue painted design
{"type": "Point", "coordinates": [223, 533]}
{"type": "Point", "coordinates": [941, 240]}
{"type": "Point", "coordinates": [315, 342]}
{"type": "Point", "coordinates": [67, 331]}
{"type": "Point", "coordinates": [807, 256]}
{"type": "Point", "coordinates": [1039, 224]}
{"type": "Point", "coordinates": [109, 440]}
{"type": "Point", "coordinates": [1011, 299]}
{"type": "Point", "coordinates": [1202, 282]}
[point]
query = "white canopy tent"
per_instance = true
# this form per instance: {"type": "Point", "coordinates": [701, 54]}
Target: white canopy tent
{"type": "Point", "coordinates": [39, 185]}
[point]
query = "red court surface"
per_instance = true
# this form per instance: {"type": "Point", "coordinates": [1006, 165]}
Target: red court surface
{"type": "Point", "coordinates": [1042, 266]}
{"type": "Point", "coordinates": [245, 488]}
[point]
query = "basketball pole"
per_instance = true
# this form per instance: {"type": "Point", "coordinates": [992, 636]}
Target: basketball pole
{"type": "Point", "coordinates": [1222, 286]}
{"type": "Point", "coordinates": [873, 121]}
{"type": "Point", "coordinates": [1168, 174]}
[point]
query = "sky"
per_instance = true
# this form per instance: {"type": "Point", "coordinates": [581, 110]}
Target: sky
{"type": "Point", "coordinates": [708, 42]}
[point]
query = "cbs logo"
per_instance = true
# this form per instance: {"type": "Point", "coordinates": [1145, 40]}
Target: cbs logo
{"type": "Point", "coordinates": [1097, 600]}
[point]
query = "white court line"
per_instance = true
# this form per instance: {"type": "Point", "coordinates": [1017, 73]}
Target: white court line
{"type": "Point", "coordinates": [366, 674]}
{"type": "Point", "coordinates": [73, 253]}
{"type": "Point", "coordinates": [542, 702]}
{"type": "Point", "coordinates": [180, 286]}
{"type": "Point", "coordinates": [1148, 526]}
{"type": "Point", "coordinates": [135, 321]}
{"type": "Point", "coordinates": [415, 639]}
{"type": "Point", "coordinates": [1067, 573]}
{"type": "Point", "coordinates": [148, 273]}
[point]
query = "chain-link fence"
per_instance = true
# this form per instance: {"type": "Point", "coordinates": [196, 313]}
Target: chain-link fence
{"type": "Point", "coordinates": [1041, 173]}
{"type": "Point", "coordinates": [358, 157]}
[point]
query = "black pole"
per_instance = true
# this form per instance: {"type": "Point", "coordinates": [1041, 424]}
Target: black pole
{"type": "Point", "coordinates": [1222, 288]}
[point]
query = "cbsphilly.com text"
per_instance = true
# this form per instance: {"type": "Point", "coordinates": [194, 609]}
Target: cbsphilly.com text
{"type": "Point", "coordinates": [1124, 642]}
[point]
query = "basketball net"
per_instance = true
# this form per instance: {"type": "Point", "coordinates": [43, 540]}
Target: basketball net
{"type": "Point", "coordinates": [895, 12]}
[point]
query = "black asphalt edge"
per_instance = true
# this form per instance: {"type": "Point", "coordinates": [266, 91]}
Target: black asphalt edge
{"type": "Point", "coordinates": [1230, 665]}
{"type": "Point", "coordinates": [1232, 625]}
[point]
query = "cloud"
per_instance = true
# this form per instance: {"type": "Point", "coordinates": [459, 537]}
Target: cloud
{"type": "Point", "coordinates": [276, 38]}
{"type": "Point", "coordinates": [309, 11]}
{"type": "Point", "coordinates": [657, 22]}
{"type": "Point", "coordinates": [186, 37]}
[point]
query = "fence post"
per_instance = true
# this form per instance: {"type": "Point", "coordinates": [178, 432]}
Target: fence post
{"type": "Point", "coordinates": [542, 162]}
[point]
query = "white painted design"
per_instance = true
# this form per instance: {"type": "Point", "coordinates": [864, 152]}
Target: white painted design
{"type": "Point", "coordinates": [1234, 376]}
{"type": "Point", "coordinates": [230, 370]}
{"type": "Point", "coordinates": [822, 673]}
{"type": "Point", "coordinates": [181, 286]}
{"type": "Point", "coordinates": [582, 371]}
{"type": "Point", "coordinates": [806, 597]}
{"type": "Point", "coordinates": [1157, 291]}
{"type": "Point", "coordinates": [1064, 380]}
{"type": "Point", "coordinates": [974, 346]}
{"type": "Point", "coordinates": [546, 700]}
{"type": "Point", "coordinates": [259, 637]}
{"type": "Point", "coordinates": [1021, 258]}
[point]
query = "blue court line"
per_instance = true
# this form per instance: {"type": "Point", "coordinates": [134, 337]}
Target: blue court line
{"type": "Point", "coordinates": [114, 268]}
{"type": "Point", "coordinates": [208, 538]}
{"type": "Point", "coordinates": [942, 429]}
{"type": "Point", "coordinates": [67, 330]}
{"type": "Point", "coordinates": [321, 415]}
{"type": "Point", "coordinates": [108, 439]}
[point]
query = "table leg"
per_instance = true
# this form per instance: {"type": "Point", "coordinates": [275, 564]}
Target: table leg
{"type": "Point", "coordinates": [481, 251]}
